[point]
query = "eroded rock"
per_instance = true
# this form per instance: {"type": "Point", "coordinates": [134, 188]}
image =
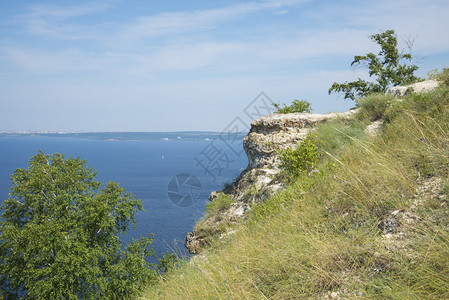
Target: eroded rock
{"type": "Point", "coordinates": [423, 86]}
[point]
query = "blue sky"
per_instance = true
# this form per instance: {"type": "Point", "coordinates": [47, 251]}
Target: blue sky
{"type": "Point", "coordinates": [114, 65]}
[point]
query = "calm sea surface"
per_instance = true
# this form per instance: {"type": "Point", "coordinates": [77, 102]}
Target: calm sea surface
{"type": "Point", "coordinates": [144, 168]}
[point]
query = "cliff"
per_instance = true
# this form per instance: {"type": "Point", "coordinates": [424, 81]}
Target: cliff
{"type": "Point", "coordinates": [370, 221]}
{"type": "Point", "coordinates": [262, 177]}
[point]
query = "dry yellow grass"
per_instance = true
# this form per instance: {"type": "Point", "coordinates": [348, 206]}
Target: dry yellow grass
{"type": "Point", "coordinates": [324, 235]}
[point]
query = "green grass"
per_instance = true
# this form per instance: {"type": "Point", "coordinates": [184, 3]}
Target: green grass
{"type": "Point", "coordinates": [220, 203]}
{"type": "Point", "coordinates": [324, 233]}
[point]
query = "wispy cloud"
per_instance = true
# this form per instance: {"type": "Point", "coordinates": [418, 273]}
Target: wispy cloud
{"type": "Point", "coordinates": [211, 56]}
{"type": "Point", "coordinates": [67, 60]}
{"type": "Point", "coordinates": [62, 31]}
{"type": "Point", "coordinates": [84, 58]}
{"type": "Point", "coordinates": [172, 41]}
{"type": "Point", "coordinates": [57, 22]}
{"type": "Point", "coordinates": [40, 11]}
{"type": "Point", "coordinates": [198, 20]}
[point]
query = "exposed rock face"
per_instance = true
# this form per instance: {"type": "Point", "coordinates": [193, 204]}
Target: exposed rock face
{"type": "Point", "coordinates": [279, 131]}
{"type": "Point", "coordinates": [259, 180]}
{"type": "Point", "coordinates": [423, 86]}
{"type": "Point", "coordinates": [374, 128]}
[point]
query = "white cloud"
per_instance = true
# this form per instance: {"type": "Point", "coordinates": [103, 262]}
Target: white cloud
{"type": "Point", "coordinates": [43, 62]}
{"type": "Point", "coordinates": [429, 27]}
{"type": "Point", "coordinates": [60, 31]}
{"type": "Point", "coordinates": [58, 22]}
{"type": "Point", "coordinates": [152, 61]}
{"type": "Point", "coordinates": [41, 11]}
{"type": "Point", "coordinates": [188, 21]}
{"type": "Point", "coordinates": [209, 56]}
{"type": "Point", "coordinates": [55, 21]}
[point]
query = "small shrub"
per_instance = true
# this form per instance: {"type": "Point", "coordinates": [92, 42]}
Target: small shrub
{"type": "Point", "coordinates": [297, 106]}
{"type": "Point", "coordinates": [393, 111]}
{"type": "Point", "coordinates": [168, 262]}
{"type": "Point", "coordinates": [445, 190]}
{"type": "Point", "coordinates": [221, 203]}
{"type": "Point", "coordinates": [303, 158]}
{"type": "Point", "coordinates": [432, 104]}
{"type": "Point", "coordinates": [374, 106]}
{"type": "Point", "coordinates": [442, 77]}
{"type": "Point", "coordinates": [253, 190]}
{"type": "Point", "coordinates": [433, 74]}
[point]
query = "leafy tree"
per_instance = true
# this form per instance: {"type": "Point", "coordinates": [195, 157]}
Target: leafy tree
{"type": "Point", "coordinates": [386, 67]}
{"type": "Point", "coordinates": [297, 106]}
{"type": "Point", "coordinates": [59, 235]}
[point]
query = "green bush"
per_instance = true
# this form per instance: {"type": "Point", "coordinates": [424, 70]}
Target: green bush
{"type": "Point", "coordinates": [296, 161]}
{"type": "Point", "coordinates": [442, 77]}
{"type": "Point", "coordinates": [393, 111]}
{"type": "Point", "coordinates": [430, 104]}
{"type": "Point", "coordinates": [373, 106]}
{"type": "Point", "coordinates": [297, 106]}
{"type": "Point", "coordinates": [222, 202]}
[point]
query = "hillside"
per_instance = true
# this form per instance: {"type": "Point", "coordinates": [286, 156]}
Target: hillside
{"type": "Point", "coordinates": [368, 218]}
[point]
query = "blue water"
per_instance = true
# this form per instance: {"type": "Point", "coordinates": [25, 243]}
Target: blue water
{"type": "Point", "coordinates": [143, 168]}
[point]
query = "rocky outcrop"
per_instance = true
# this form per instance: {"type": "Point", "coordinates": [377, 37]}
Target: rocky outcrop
{"type": "Point", "coordinates": [279, 131]}
{"type": "Point", "coordinates": [262, 176]}
{"type": "Point", "coordinates": [423, 86]}
{"type": "Point", "coordinates": [374, 128]}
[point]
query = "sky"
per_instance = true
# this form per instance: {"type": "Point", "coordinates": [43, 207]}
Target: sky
{"type": "Point", "coordinates": [135, 65]}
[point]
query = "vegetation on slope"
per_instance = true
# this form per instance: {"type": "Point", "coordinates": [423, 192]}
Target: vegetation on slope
{"type": "Point", "coordinates": [371, 221]}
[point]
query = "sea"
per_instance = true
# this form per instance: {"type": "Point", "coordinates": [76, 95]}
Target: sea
{"type": "Point", "coordinates": [172, 173]}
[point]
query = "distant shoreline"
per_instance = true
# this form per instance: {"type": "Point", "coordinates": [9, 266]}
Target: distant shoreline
{"type": "Point", "coordinates": [129, 136]}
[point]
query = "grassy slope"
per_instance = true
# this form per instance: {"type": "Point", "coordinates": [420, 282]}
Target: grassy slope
{"type": "Point", "coordinates": [373, 223]}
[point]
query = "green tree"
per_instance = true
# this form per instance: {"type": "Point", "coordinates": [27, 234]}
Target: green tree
{"type": "Point", "coordinates": [297, 106]}
{"type": "Point", "coordinates": [387, 67]}
{"type": "Point", "coordinates": [59, 235]}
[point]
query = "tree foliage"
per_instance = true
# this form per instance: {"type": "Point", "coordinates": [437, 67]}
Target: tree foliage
{"type": "Point", "coordinates": [59, 235]}
{"type": "Point", "coordinates": [389, 68]}
{"type": "Point", "coordinates": [297, 106]}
